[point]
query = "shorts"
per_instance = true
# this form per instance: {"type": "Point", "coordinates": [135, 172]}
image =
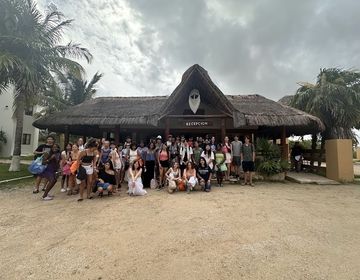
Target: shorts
{"type": "Point", "coordinates": [248, 166]}
{"type": "Point", "coordinates": [236, 161]}
{"type": "Point", "coordinates": [164, 163]}
{"type": "Point", "coordinates": [104, 186]}
{"type": "Point", "coordinates": [227, 158]}
{"type": "Point", "coordinates": [89, 169]}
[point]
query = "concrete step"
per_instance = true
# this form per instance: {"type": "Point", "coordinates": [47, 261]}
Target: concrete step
{"type": "Point", "coordinates": [309, 178]}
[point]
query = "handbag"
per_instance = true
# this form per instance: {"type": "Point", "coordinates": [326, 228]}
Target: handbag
{"type": "Point", "coordinates": [181, 185]}
{"type": "Point", "coordinates": [74, 167]}
{"type": "Point", "coordinates": [66, 169]}
{"type": "Point", "coordinates": [37, 166]}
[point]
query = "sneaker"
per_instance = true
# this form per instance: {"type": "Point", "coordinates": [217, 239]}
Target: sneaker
{"type": "Point", "coordinates": [63, 190]}
{"type": "Point", "coordinates": [47, 198]}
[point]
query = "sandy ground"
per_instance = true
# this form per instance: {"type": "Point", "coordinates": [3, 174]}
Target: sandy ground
{"type": "Point", "coordinates": [272, 231]}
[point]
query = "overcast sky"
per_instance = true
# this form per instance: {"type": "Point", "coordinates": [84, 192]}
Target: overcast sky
{"type": "Point", "coordinates": [259, 46]}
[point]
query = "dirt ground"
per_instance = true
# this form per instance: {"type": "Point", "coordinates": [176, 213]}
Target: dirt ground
{"type": "Point", "coordinates": [272, 231]}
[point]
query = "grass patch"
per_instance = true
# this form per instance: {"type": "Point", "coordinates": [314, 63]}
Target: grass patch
{"type": "Point", "coordinates": [30, 157]}
{"type": "Point", "coordinates": [5, 174]}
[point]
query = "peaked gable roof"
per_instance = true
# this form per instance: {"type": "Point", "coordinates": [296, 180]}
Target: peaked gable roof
{"type": "Point", "coordinates": [197, 77]}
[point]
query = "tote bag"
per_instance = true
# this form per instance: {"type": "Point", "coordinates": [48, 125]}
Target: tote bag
{"type": "Point", "coordinates": [36, 167]}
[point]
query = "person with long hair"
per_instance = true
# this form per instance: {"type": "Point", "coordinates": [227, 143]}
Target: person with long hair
{"type": "Point", "coordinates": [87, 160]}
{"type": "Point", "coordinates": [227, 151]}
{"type": "Point", "coordinates": [204, 175]}
{"type": "Point", "coordinates": [173, 176]}
{"type": "Point", "coordinates": [51, 171]}
{"type": "Point", "coordinates": [185, 153]}
{"type": "Point", "coordinates": [65, 167]}
{"type": "Point", "coordinates": [197, 151]}
{"type": "Point", "coordinates": [163, 161]}
{"type": "Point", "coordinates": [73, 182]}
{"type": "Point", "coordinates": [106, 179]}
{"type": "Point", "coordinates": [190, 177]}
{"type": "Point", "coordinates": [209, 157]}
{"type": "Point", "coordinates": [117, 165]}
{"type": "Point", "coordinates": [134, 182]}
{"type": "Point", "coordinates": [220, 166]}
{"type": "Point", "coordinates": [149, 169]}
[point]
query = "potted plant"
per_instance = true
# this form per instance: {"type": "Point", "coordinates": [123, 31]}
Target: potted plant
{"type": "Point", "coordinates": [269, 163]}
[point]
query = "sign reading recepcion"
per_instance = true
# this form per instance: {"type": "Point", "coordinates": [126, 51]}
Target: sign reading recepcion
{"type": "Point", "coordinates": [198, 123]}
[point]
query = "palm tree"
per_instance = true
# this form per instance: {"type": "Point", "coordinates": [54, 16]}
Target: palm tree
{"type": "Point", "coordinates": [30, 55]}
{"type": "Point", "coordinates": [70, 91]}
{"type": "Point", "coordinates": [79, 90]}
{"type": "Point", "coordinates": [335, 99]}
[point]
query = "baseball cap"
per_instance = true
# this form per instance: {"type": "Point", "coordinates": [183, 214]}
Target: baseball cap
{"type": "Point", "coordinates": [159, 137]}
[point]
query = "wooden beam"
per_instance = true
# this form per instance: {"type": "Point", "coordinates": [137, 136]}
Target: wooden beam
{"type": "Point", "coordinates": [196, 116]}
{"type": "Point", "coordinates": [66, 136]}
{"type": "Point", "coordinates": [117, 135]}
{"type": "Point", "coordinates": [223, 130]}
{"type": "Point", "coordinates": [284, 146]}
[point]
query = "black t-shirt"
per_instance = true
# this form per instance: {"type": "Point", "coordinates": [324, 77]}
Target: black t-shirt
{"type": "Point", "coordinates": [107, 178]}
{"type": "Point", "coordinates": [43, 148]}
{"type": "Point", "coordinates": [204, 172]}
{"type": "Point", "coordinates": [296, 151]}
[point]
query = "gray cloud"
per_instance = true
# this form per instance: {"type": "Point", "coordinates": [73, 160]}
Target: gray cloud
{"type": "Point", "coordinates": [261, 46]}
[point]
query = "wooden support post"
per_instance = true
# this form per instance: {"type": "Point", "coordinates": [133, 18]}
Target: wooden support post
{"type": "Point", "coordinates": [223, 130]}
{"type": "Point", "coordinates": [284, 147]}
{"type": "Point", "coordinates": [117, 135]}
{"type": "Point", "coordinates": [167, 128]}
{"type": "Point", "coordinates": [66, 136]}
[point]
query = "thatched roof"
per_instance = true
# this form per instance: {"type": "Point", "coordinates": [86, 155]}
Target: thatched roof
{"type": "Point", "coordinates": [197, 77]}
{"type": "Point", "coordinates": [245, 110]}
{"type": "Point", "coordinates": [108, 111]}
{"type": "Point", "coordinates": [256, 110]}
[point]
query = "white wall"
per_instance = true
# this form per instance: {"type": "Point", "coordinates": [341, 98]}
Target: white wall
{"type": "Point", "coordinates": [7, 124]}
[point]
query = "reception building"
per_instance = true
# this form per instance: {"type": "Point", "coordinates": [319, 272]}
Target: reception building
{"type": "Point", "coordinates": [196, 107]}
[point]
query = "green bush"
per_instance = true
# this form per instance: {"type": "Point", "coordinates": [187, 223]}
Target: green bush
{"type": "Point", "coordinates": [268, 161]}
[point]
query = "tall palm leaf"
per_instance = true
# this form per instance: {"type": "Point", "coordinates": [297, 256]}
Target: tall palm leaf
{"type": "Point", "coordinates": [30, 54]}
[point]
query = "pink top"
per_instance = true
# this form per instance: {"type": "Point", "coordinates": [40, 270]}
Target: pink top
{"type": "Point", "coordinates": [163, 156]}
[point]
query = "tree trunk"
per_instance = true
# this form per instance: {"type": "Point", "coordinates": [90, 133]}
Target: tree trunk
{"type": "Point", "coordinates": [19, 115]}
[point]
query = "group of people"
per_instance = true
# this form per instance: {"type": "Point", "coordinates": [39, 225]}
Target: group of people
{"type": "Point", "coordinates": [178, 164]}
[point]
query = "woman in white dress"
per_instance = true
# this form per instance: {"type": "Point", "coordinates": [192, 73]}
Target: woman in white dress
{"type": "Point", "coordinates": [134, 181]}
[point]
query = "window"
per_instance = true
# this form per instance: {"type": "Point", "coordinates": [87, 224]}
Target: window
{"type": "Point", "coordinates": [26, 139]}
{"type": "Point", "coordinates": [29, 111]}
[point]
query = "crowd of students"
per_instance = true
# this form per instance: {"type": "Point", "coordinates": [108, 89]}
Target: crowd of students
{"type": "Point", "coordinates": [178, 164]}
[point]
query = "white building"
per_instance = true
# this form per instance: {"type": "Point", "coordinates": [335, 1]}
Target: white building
{"type": "Point", "coordinates": [8, 123]}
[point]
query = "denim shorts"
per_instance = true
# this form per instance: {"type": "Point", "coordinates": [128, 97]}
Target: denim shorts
{"type": "Point", "coordinates": [104, 186]}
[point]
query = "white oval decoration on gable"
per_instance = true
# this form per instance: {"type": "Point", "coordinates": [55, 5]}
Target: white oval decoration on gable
{"type": "Point", "coordinates": [194, 100]}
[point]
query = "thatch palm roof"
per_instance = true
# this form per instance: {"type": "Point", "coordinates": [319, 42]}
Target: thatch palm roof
{"type": "Point", "coordinates": [245, 110]}
{"type": "Point", "coordinates": [198, 78]}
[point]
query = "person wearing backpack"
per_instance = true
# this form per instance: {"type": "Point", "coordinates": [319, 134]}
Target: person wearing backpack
{"type": "Point", "coordinates": [248, 159]}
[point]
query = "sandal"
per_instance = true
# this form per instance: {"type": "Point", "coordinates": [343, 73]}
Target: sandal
{"type": "Point", "coordinates": [35, 191]}
{"type": "Point", "coordinates": [80, 199]}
